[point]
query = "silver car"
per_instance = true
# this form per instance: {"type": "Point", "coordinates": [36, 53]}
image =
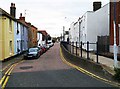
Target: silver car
{"type": "Point", "coordinates": [33, 53]}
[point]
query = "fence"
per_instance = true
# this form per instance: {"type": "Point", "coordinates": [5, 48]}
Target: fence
{"type": "Point", "coordinates": [74, 49]}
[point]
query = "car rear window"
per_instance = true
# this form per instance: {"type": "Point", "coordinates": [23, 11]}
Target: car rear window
{"type": "Point", "coordinates": [33, 49]}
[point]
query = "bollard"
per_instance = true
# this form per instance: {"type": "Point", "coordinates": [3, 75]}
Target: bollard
{"type": "Point", "coordinates": [70, 47]}
{"type": "Point", "coordinates": [81, 49]}
{"type": "Point", "coordinates": [76, 48]}
{"type": "Point", "coordinates": [87, 50]}
{"type": "Point", "coordinates": [97, 52]}
{"type": "Point", "coordinates": [73, 47]}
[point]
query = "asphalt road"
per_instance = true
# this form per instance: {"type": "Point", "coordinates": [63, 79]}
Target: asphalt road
{"type": "Point", "coordinates": [50, 71]}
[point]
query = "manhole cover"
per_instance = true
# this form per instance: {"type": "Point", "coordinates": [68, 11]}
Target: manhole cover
{"type": "Point", "coordinates": [26, 67]}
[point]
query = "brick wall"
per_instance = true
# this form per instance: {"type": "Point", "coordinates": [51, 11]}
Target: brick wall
{"type": "Point", "coordinates": [117, 22]}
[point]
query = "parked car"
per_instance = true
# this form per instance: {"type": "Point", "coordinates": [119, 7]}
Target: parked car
{"type": "Point", "coordinates": [43, 49]}
{"type": "Point", "coordinates": [34, 52]}
{"type": "Point", "coordinates": [50, 44]}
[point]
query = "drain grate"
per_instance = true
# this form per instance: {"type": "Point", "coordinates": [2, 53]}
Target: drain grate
{"type": "Point", "coordinates": [26, 67]}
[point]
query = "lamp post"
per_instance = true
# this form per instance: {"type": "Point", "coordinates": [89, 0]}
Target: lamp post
{"type": "Point", "coordinates": [64, 27]}
{"type": "Point", "coordinates": [115, 45]}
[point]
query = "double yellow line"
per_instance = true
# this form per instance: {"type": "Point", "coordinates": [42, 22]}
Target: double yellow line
{"type": "Point", "coordinates": [6, 76]}
{"type": "Point", "coordinates": [87, 72]}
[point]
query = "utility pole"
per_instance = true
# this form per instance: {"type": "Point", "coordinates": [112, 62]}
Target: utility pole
{"type": "Point", "coordinates": [115, 45]}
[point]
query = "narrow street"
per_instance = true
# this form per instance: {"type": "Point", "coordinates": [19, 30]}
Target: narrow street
{"type": "Point", "coordinates": [50, 71]}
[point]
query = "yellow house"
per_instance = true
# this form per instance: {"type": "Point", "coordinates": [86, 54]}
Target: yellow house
{"type": "Point", "coordinates": [6, 35]}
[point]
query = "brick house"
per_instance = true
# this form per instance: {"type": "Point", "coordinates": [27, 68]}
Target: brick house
{"type": "Point", "coordinates": [117, 12]}
{"type": "Point", "coordinates": [32, 32]}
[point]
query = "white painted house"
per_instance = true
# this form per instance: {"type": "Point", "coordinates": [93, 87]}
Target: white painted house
{"type": "Point", "coordinates": [74, 32]}
{"type": "Point", "coordinates": [91, 25]}
{"type": "Point", "coordinates": [71, 32]}
{"type": "Point", "coordinates": [39, 38]}
{"type": "Point", "coordinates": [66, 36]}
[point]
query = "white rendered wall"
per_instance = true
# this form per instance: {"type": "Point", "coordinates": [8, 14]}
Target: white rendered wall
{"type": "Point", "coordinates": [94, 24]}
{"type": "Point", "coordinates": [39, 38]}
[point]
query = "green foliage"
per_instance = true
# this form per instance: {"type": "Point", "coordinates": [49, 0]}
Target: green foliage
{"type": "Point", "coordinates": [117, 74]}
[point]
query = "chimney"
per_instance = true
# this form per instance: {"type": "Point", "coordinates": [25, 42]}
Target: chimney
{"type": "Point", "coordinates": [96, 5]}
{"type": "Point", "coordinates": [13, 10]}
{"type": "Point", "coordinates": [21, 17]}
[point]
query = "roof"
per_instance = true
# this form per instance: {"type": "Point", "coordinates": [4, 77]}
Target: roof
{"type": "Point", "coordinates": [43, 32]}
{"type": "Point", "coordinates": [34, 27]}
{"type": "Point", "coordinates": [4, 13]}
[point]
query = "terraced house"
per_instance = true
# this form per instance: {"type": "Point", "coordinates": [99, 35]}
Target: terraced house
{"type": "Point", "coordinates": [13, 34]}
{"type": "Point", "coordinates": [7, 35]}
{"type": "Point", "coordinates": [32, 32]}
{"type": "Point", "coordinates": [21, 37]}
{"type": "Point", "coordinates": [97, 25]}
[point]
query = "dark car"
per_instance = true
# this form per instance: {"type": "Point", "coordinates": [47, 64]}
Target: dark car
{"type": "Point", "coordinates": [33, 53]}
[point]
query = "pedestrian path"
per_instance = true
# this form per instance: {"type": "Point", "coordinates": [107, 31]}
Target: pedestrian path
{"type": "Point", "coordinates": [107, 63]}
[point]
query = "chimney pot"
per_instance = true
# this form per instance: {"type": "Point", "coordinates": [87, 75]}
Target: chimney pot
{"type": "Point", "coordinates": [13, 10]}
{"type": "Point", "coordinates": [96, 5]}
{"type": "Point", "coordinates": [11, 4]}
{"type": "Point", "coordinates": [14, 4]}
{"type": "Point", "coordinates": [21, 17]}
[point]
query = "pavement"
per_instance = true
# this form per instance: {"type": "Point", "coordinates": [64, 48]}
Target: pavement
{"type": "Point", "coordinates": [106, 63]}
{"type": "Point", "coordinates": [8, 62]}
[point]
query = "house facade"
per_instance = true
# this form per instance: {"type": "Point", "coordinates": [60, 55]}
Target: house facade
{"type": "Point", "coordinates": [13, 34]}
{"type": "Point", "coordinates": [91, 25]}
{"type": "Point", "coordinates": [98, 23]}
{"type": "Point", "coordinates": [39, 38]}
{"type": "Point", "coordinates": [66, 36]}
{"type": "Point", "coordinates": [71, 32]}
{"type": "Point", "coordinates": [24, 38]}
{"type": "Point", "coordinates": [44, 36]}
{"type": "Point", "coordinates": [29, 39]}
{"type": "Point", "coordinates": [34, 35]}
{"type": "Point", "coordinates": [20, 37]}
{"type": "Point", "coordinates": [7, 35]}
{"type": "Point", "coordinates": [114, 12]}
{"type": "Point", "coordinates": [18, 40]}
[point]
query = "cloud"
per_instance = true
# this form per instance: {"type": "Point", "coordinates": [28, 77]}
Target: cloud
{"type": "Point", "coordinates": [50, 14]}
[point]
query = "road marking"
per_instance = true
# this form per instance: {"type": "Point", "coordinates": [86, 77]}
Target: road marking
{"type": "Point", "coordinates": [87, 72]}
{"type": "Point", "coordinates": [5, 67]}
{"type": "Point", "coordinates": [6, 77]}
{"type": "Point", "coordinates": [8, 66]}
{"type": "Point", "coordinates": [3, 78]}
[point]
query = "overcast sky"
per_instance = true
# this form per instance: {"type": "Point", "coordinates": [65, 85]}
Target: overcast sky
{"type": "Point", "coordinates": [50, 15]}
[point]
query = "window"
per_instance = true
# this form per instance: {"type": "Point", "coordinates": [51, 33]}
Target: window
{"type": "Point", "coordinates": [18, 50]}
{"type": "Point", "coordinates": [17, 29]}
{"type": "Point", "coordinates": [10, 45]}
{"type": "Point", "coordinates": [10, 23]}
{"type": "Point", "coordinates": [23, 45]}
{"type": "Point", "coordinates": [23, 30]}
